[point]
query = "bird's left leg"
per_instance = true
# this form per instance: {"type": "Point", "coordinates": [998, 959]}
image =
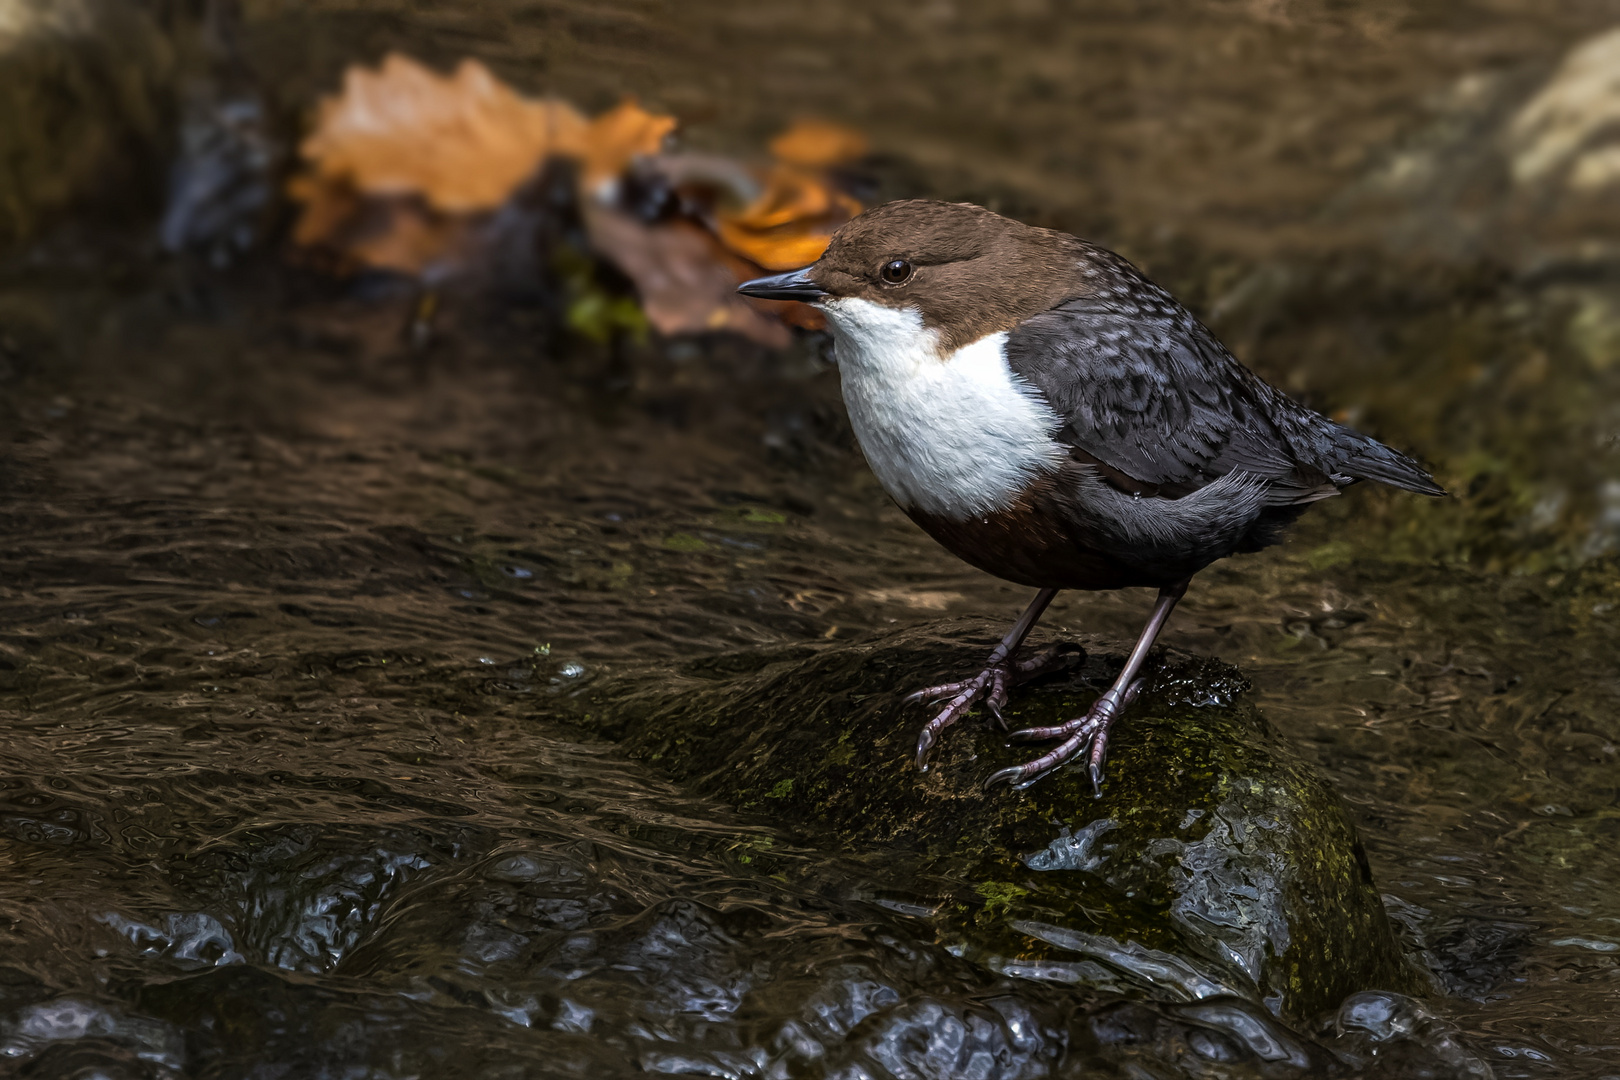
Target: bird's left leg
{"type": "Point", "coordinates": [1093, 727]}
{"type": "Point", "coordinates": [990, 684]}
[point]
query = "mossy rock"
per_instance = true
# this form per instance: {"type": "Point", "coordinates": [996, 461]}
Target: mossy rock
{"type": "Point", "coordinates": [87, 95]}
{"type": "Point", "coordinates": [1216, 861]}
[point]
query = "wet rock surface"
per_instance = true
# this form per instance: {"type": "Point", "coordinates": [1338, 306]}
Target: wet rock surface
{"type": "Point", "coordinates": [1215, 862]}
{"type": "Point", "coordinates": [550, 912]}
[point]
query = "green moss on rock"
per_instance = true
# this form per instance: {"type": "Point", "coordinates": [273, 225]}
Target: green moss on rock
{"type": "Point", "coordinates": [1215, 861]}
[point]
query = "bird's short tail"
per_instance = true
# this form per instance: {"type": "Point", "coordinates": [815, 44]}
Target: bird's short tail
{"type": "Point", "coordinates": [1365, 458]}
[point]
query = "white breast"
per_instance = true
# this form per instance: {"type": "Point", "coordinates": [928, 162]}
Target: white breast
{"type": "Point", "coordinates": [957, 436]}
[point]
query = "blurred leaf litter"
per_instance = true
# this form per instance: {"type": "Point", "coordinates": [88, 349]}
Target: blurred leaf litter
{"type": "Point", "coordinates": [406, 170]}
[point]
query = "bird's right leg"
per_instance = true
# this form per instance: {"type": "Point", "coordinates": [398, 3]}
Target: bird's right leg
{"type": "Point", "coordinates": [991, 684]}
{"type": "Point", "coordinates": [1092, 728]}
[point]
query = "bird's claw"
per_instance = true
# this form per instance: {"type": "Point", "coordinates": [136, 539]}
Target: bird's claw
{"type": "Point", "coordinates": [935, 693]}
{"type": "Point", "coordinates": [1088, 730]}
{"type": "Point", "coordinates": [990, 686]}
{"type": "Point", "coordinates": [966, 694]}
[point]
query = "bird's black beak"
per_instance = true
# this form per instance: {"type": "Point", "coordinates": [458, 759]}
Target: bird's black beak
{"type": "Point", "coordinates": [794, 285]}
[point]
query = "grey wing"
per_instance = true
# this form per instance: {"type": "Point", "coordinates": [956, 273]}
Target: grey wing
{"type": "Point", "coordinates": [1153, 400]}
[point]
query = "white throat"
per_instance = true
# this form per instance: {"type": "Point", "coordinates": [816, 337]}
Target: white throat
{"type": "Point", "coordinates": [957, 436]}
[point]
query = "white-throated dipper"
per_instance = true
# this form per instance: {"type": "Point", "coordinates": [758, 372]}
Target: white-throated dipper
{"type": "Point", "coordinates": [1054, 418]}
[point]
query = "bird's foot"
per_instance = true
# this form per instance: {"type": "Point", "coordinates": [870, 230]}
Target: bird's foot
{"type": "Point", "coordinates": [990, 686]}
{"type": "Point", "coordinates": [1091, 728]}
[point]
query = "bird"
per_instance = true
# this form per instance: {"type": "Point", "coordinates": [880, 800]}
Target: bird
{"type": "Point", "coordinates": [1054, 418]}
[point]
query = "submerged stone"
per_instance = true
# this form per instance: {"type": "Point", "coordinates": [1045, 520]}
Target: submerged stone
{"type": "Point", "coordinates": [1215, 863]}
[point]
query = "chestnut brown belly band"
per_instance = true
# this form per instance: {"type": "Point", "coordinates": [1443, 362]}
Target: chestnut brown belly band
{"type": "Point", "coordinates": [1030, 547]}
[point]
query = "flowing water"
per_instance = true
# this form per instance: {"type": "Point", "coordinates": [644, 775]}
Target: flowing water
{"type": "Point", "coordinates": [291, 581]}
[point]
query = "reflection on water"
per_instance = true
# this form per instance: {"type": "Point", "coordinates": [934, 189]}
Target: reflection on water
{"type": "Point", "coordinates": [288, 593]}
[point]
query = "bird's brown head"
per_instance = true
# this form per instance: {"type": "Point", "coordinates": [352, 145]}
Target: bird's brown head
{"type": "Point", "coordinates": [966, 270]}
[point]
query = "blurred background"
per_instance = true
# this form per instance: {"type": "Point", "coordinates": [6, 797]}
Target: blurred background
{"type": "Point", "coordinates": [370, 377]}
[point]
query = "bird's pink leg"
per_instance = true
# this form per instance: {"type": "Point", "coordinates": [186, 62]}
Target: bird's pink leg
{"type": "Point", "coordinates": [1093, 727]}
{"type": "Point", "coordinates": [992, 683]}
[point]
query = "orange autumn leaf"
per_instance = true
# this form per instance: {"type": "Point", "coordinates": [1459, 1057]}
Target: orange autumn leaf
{"type": "Point", "coordinates": [327, 204]}
{"type": "Point", "coordinates": [463, 142]}
{"type": "Point", "coordinates": [611, 141]}
{"type": "Point", "coordinates": [789, 196]}
{"type": "Point", "coordinates": [790, 223]}
{"type": "Point", "coordinates": [785, 249]}
{"type": "Point", "coordinates": [437, 149]}
{"type": "Point", "coordinates": [398, 233]}
{"type": "Point", "coordinates": [405, 168]}
{"type": "Point", "coordinates": [819, 144]}
{"type": "Point", "coordinates": [411, 239]}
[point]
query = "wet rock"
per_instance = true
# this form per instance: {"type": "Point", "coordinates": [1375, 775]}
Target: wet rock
{"type": "Point", "coordinates": [220, 186]}
{"type": "Point", "coordinates": [1215, 863]}
{"type": "Point", "coordinates": [1401, 1036]}
{"type": "Point", "coordinates": [222, 180]}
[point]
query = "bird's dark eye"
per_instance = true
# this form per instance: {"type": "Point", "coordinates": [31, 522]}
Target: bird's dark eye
{"type": "Point", "coordinates": [896, 271]}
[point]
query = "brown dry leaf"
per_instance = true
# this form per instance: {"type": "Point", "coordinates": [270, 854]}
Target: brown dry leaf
{"type": "Point", "coordinates": [438, 149]}
{"type": "Point", "coordinates": [327, 205]}
{"type": "Point", "coordinates": [819, 144]}
{"type": "Point", "coordinates": [463, 142]}
{"type": "Point", "coordinates": [611, 141]}
{"type": "Point", "coordinates": [686, 281]}
{"type": "Point", "coordinates": [405, 235]}
{"type": "Point", "coordinates": [790, 223]}
{"type": "Point", "coordinates": [399, 233]}
{"type": "Point", "coordinates": [406, 167]}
